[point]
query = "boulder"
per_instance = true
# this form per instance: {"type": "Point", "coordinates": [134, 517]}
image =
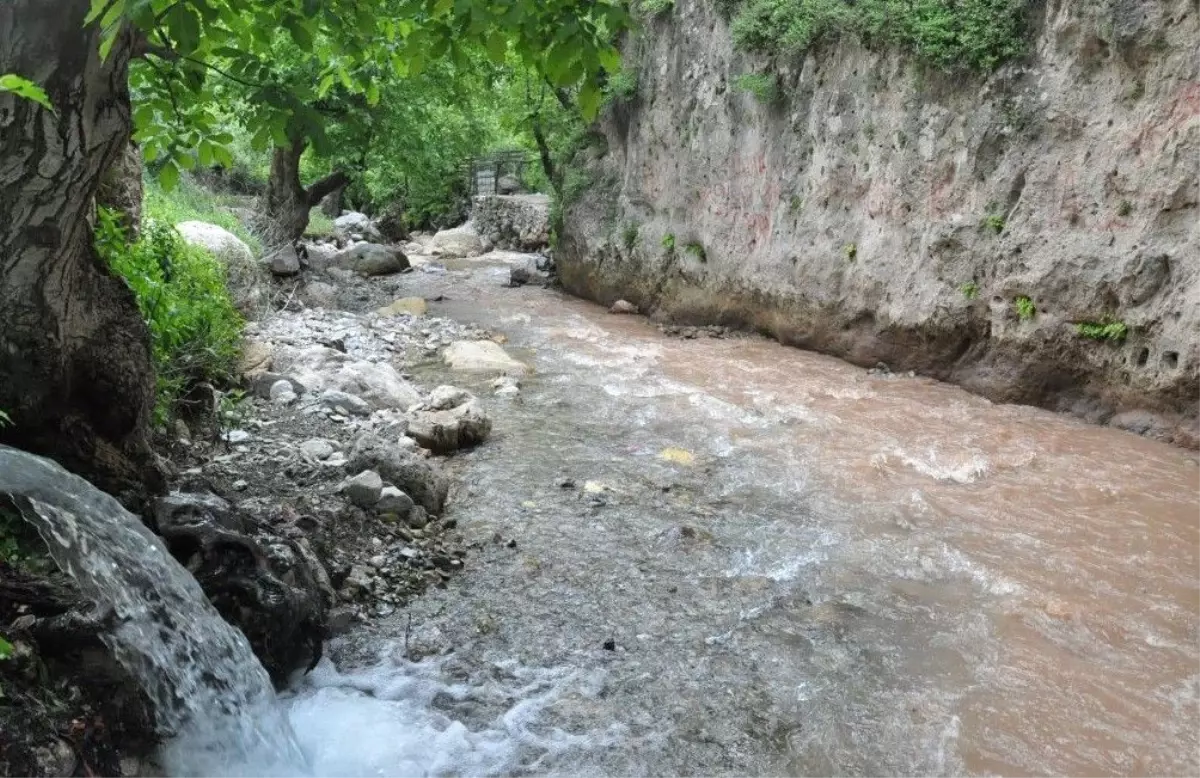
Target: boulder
{"type": "Point", "coordinates": [364, 489]}
{"type": "Point", "coordinates": [317, 448]}
{"type": "Point", "coordinates": [256, 358]}
{"type": "Point", "coordinates": [282, 392]}
{"type": "Point", "coordinates": [445, 432]}
{"type": "Point", "coordinates": [343, 402]}
{"type": "Point", "coordinates": [319, 368]}
{"type": "Point", "coordinates": [320, 255]}
{"type": "Point", "coordinates": [623, 307]}
{"type": "Point", "coordinates": [393, 500]}
{"type": "Point", "coordinates": [516, 222]}
{"type": "Point", "coordinates": [461, 241]}
{"type": "Point", "coordinates": [246, 279]}
{"type": "Point", "coordinates": [482, 356]}
{"type": "Point", "coordinates": [273, 588]}
{"type": "Point", "coordinates": [263, 384]}
{"type": "Point", "coordinates": [402, 466]}
{"type": "Point", "coordinates": [444, 398]}
{"type": "Point", "coordinates": [372, 259]}
{"type": "Point", "coordinates": [284, 261]}
{"type": "Point", "coordinates": [413, 306]}
{"type": "Point", "coordinates": [355, 223]}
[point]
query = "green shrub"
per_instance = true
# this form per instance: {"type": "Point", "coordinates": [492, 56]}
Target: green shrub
{"type": "Point", "coordinates": [195, 330]}
{"type": "Point", "coordinates": [948, 34]}
{"type": "Point", "coordinates": [655, 7]}
{"type": "Point", "coordinates": [762, 85]}
{"type": "Point", "coordinates": [970, 290]}
{"type": "Point", "coordinates": [623, 84]}
{"type": "Point", "coordinates": [668, 242]}
{"type": "Point", "coordinates": [1025, 308]}
{"type": "Point", "coordinates": [994, 222]}
{"type": "Point", "coordinates": [696, 250]}
{"type": "Point", "coordinates": [319, 224]}
{"type": "Point", "coordinates": [851, 251]}
{"type": "Point", "coordinates": [1125, 208]}
{"type": "Point", "coordinates": [1106, 329]}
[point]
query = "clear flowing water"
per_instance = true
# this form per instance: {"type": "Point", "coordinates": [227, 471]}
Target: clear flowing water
{"type": "Point", "coordinates": [729, 557]}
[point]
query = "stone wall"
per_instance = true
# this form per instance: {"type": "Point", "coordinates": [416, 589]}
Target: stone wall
{"type": "Point", "coordinates": [513, 222]}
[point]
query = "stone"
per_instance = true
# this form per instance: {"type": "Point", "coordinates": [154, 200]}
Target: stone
{"type": "Point", "coordinates": [236, 436]}
{"type": "Point", "coordinates": [256, 357]}
{"type": "Point", "coordinates": [182, 433]}
{"type": "Point", "coordinates": [180, 508]}
{"type": "Point", "coordinates": [445, 397]}
{"type": "Point", "coordinates": [335, 400]}
{"type": "Point", "coordinates": [371, 259]}
{"type": "Point", "coordinates": [623, 307]}
{"type": "Point", "coordinates": [394, 500]}
{"type": "Point", "coordinates": [355, 223]}
{"type": "Point", "coordinates": [402, 466]}
{"type": "Point", "coordinates": [320, 255]}
{"type": "Point", "coordinates": [515, 222]}
{"type": "Point", "coordinates": [461, 241]}
{"type": "Point", "coordinates": [364, 489]}
{"type": "Point", "coordinates": [320, 294]}
{"type": "Point", "coordinates": [284, 261]}
{"type": "Point", "coordinates": [281, 388]}
{"type": "Point", "coordinates": [247, 280]}
{"type": "Point", "coordinates": [319, 368]}
{"type": "Point", "coordinates": [482, 356]}
{"type": "Point", "coordinates": [413, 306]}
{"type": "Point", "coordinates": [263, 384]}
{"type": "Point", "coordinates": [444, 432]}
{"type": "Point", "coordinates": [317, 448]}
{"type": "Point", "coordinates": [218, 241]}
{"type": "Point", "coordinates": [121, 188]}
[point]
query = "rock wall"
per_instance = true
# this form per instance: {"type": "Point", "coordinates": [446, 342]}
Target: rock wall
{"type": "Point", "coordinates": [514, 222]}
{"type": "Point", "coordinates": [880, 211]}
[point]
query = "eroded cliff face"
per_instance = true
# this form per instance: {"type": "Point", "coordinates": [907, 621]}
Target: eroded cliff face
{"type": "Point", "coordinates": [879, 211]}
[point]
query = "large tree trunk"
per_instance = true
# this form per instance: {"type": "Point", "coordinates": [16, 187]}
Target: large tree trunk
{"type": "Point", "coordinates": [75, 370]}
{"type": "Point", "coordinates": [288, 202]}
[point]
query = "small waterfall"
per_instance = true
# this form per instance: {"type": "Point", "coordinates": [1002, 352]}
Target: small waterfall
{"type": "Point", "coordinates": [212, 697]}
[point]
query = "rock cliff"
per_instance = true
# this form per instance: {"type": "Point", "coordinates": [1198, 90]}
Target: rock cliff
{"type": "Point", "coordinates": [1031, 234]}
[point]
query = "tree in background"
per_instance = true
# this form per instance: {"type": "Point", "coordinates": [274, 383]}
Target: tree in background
{"type": "Point", "coordinates": [75, 367]}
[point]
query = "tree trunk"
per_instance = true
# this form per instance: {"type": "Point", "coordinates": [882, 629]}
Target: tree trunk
{"type": "Point", "coordinates": [287, 201]}
{"type": "Point", "coordinates": [75, 370]}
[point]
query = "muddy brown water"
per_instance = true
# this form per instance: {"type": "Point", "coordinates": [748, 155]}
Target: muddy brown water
{"type": "Point", "coordinates": [807, 569]}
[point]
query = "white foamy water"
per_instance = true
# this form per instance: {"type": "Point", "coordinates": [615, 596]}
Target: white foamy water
{"type": "Point", "coordinates": [432, 718]}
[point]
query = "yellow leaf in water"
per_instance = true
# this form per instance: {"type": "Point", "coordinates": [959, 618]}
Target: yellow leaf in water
{"type": "Point", "coordinates": [594, 487]}
{"type": "Point", "coordinates": [529, 504]}
{"type": "Point", "coordinates": [678, 455]}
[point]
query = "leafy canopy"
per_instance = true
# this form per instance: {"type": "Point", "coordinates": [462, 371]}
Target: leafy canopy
{"type": "Point", "coordinates": [343, 49]}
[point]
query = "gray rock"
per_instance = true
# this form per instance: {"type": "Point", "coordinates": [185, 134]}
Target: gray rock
{"type": "Point", "coordinates": [334, 399]}
{"type": "Point", "coordinates": [623, 307]}
{"type": "Point", "coordinates": [393, 500]}
{"type": "Point", "coordinates": [446, 397]}
{"type": "Point", "coordinates": [516, 222]}
{"type": "Point", "coordinates": [284, 261]}
{"type": "Point", "coordinates": [183, 508]}
{"type": "Point", "coordinates": [353, 223]}
{"type": "Point", "coordinates": [317, 448]}
{"type": "Point", "coordinates": [372, 259]}
{"type": "Point", "coordinates": [461, 241]}
{"type": "Point", "coordinates": [320, 368]}
{"type": "Point", "coordinates": [401, 466]}
{"type": "Point", "coordinates": [481, 356]}
{"type": "Point", "coordinates": [444, 432]}
{"type": "Point", "coordinates": [262, 384]}
{"type": "Point", "coordinates": [364, 489]}
{"type": "Point", "coordinates": [281, 387]}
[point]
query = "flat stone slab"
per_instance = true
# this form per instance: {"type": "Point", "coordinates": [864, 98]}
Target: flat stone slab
{"type": "Point", "coordinates": [482, 356]}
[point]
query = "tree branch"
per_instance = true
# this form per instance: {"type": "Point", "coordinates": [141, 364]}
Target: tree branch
{"type": "Point", "coordinates": [330, 183]}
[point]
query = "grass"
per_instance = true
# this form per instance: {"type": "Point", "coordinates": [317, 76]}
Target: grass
{"type": "Point", "coordinates": [850, 250]}
{"type": "Point", "coordinates": [189, 201]}
{"type": "Point", "coordinates": [655, 7]}
{"type": "Point", "coordinates": [668, 242]}
{"type": "Point", "coordinates": [623, 84]}
{"type": "Point", "coordinates": [1025, 308]}
{"type": "Point", "coordinates": [1106, 329]}
{"type": "Point", "coordinates": [195, 331]}
{"type": "Point", "coordinates": [629, 236]}
{"type": "Point", "coordinates": [696, 250]}
{"type": "Point", "coordinates": [319, 224]}
{"type": "Point", "coordinates": [994, 222]}
{"type": "Point", "coordinates": [970, 290]}
{"type": "Point", "coordinates": [763, 86]}
{"type": "Point", "coordinates": [948, 34]}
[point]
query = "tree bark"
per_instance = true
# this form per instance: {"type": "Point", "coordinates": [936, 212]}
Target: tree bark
{"type": "Point", "coordinates": [75, 369]}
{"type": "Point", "coordinates": [287, 201]}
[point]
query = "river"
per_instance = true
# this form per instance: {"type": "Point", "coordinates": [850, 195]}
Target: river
{"type": "Point", "coordinates": [725, 556]}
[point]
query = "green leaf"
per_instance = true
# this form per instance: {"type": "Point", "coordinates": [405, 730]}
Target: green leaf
{"type": "Point", "coordinates": [589, 100]}
{"type": "Point", "coordinates": [23, 87]}
{"type": "Point", "coordinates": [168, 176]}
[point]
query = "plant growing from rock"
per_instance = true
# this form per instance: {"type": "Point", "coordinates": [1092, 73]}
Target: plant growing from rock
{"type": "Point", "coordinates": [668, 242]}
{"type": "Point", "coordinates": [762, 86]}
{"type": "Point", "coordinates": [1125, 208]}
{"type": "Point", "coordinates": [850, 251]}
{"type": "Point", "coordinates": [655, 7]}
{"type": "Point", "coordinates": [1107, 329]}
{"type": "Point", "coordinates": [629, 236]}
{"type": "Point", "coordinates": [1024, 307]}
{"type": "Point", "coordinates": [994, 222]}
{"type": "Point", "coordinates": [970, 290]}
{"type": "Point", "coordinates": [696, 250]}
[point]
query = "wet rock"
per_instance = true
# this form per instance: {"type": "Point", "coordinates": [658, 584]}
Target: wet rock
{"type": "Point", "coordinates": [623, 307]}
{"type": "Point", "coordinates": [345, 402]}
{"type": "Point", "coordinates": [519, 276]}
{"type": "Point", "coordinates": [444, 432]}
{"type": "Point", "coordinates": [393, 500]}
{"type": "Point", "coordinates": [282, 393]}
{"type": "Point", "coordinates": [401, 466]}
{"type": "Point", "coordinates": [339, 621]}
{"type": "Point", "coordinates": [413, 306]}
{"type": "Point", "coordinates": [263, 384]}
{"type": "Point", "coordinates": [364, 489]}
{"type": "Point", "coordinates": [372, 259]}
{"type": "Point", "coordinates": [482, 356]}
{"type": "Point", "coordinates": [506, 386]}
